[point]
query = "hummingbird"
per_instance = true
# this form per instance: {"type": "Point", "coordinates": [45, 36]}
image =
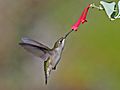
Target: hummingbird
{"type": "Point", "coordinates": [50, 56]}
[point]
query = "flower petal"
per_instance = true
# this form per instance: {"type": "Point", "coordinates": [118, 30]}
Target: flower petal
{"type": "Point", "coordinates": [81, 19]}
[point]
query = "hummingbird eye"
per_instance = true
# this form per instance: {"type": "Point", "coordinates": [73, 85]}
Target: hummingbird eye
{"type": "Point", "coordinates": [61, 41]}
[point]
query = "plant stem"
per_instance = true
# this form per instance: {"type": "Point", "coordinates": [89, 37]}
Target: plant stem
{"type": "Point", "coordinates": [97, 7]}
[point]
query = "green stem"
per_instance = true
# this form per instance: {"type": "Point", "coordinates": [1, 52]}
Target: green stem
{"type": "Point", "coordinates": [97, 7]}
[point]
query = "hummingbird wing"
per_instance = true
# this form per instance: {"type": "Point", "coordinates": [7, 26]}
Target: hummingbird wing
{"type": "Point", "coordinates": [35, 47]}
{"type": "Point", "coordinates": [47, 69]}
{"type": "Point", "coordinates": [31, 41]}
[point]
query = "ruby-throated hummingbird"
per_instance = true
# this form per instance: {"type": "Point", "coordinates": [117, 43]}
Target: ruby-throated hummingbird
{"type": "Point", "coordinates": [51, 57]}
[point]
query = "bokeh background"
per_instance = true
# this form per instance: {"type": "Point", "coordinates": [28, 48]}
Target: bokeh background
{"type": "Point", "coordinates": [91, 58]}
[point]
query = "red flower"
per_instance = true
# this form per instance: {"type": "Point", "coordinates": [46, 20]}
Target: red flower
{"type": "Point", "coordinates": [81, 19]}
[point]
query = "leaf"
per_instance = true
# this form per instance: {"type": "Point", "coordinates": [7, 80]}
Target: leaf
{"type": "Point", "coordinates": [109, 8]}
{"type": "Point", "coordinates": [118, 16]}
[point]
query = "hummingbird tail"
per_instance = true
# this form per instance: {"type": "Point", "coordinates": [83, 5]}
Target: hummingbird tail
{"type": "Point", "coordinates": [45, 70]}
{"type": "Point", "coordinates": [45, 80]}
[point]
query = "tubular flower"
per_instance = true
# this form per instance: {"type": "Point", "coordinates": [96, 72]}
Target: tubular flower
{"type": "Point", "coordinates": [82, 18]}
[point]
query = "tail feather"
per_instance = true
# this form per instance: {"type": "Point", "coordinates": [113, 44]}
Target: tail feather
{"type": "Point", "coordinates": [45, 70]}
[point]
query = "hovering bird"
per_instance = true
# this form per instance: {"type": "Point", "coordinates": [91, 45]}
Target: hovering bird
{"type": "Point", "coordinates": [51, 57]}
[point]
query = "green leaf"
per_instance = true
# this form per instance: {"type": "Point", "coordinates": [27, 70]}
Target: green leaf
{"type": "Point", "coordinates": [109, 8]}
{"type": "Point", "coordinates": [118, 16]}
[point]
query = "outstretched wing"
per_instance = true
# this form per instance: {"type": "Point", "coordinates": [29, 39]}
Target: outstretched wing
{"type": "Point", "coordinates": [30, 41]}
{"type": "Point", "coordinates": [35, 47]}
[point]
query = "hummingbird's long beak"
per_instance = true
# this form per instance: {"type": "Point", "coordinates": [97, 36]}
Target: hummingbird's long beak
{"type": "Point", "coordinates": [68, 33]}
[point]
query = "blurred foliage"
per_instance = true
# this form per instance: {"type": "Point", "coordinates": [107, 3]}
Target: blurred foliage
{"type": "Point", "coordinates": [91, 57]}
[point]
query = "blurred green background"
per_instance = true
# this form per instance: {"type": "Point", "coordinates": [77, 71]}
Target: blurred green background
{"type": "Point", "coordinates": [91, 58]}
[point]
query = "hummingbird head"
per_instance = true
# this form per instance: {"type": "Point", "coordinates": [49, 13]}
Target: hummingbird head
{"type": "Point", "coordinates": [60, 43]}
